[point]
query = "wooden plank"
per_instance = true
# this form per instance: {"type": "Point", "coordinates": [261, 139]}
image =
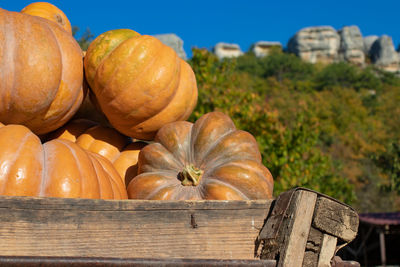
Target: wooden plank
{"type": "Point", "coordinates": [313, 247]}
{"type": "Point", "coordinates": [336, 219]}
{"type": "Point", "coordinates": [328, 249]}
{"type": "Point", "coordinates": [292, 253]}
{"type": "Point", "coordinates": [130, 228]}
{"type": "Point", "coordinates": [11, 261]}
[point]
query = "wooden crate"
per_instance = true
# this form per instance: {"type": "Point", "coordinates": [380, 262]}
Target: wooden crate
{"type": "Point", "coordinates": [180, 233]}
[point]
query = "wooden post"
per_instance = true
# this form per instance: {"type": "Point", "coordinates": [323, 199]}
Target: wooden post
{"type": "Point", "coordinates": [304, 228]}
{"type": "Point", "coordinates": [382, 247]}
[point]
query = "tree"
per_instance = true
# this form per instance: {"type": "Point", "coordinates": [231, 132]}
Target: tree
{"type": "Point", "coordinates": [85, 39]}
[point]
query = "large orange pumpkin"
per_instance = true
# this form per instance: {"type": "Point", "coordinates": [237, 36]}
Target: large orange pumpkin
{"type": "Point", "coordinates": [139, 83]}
{"type": "Point", "coordinates": [41, 72]}
{"type": "Point", "coordinates": [122, 151]}
{"type": "Point", "coordinates": [50, 12]}
{"type": "Point", "coordinates": [210, 159]}
{"type": "Point", "coordinates": [58, 168]}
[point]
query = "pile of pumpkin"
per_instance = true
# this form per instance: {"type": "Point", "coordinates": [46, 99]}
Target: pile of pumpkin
{"type": "Point", "coordinates": [146, 149]}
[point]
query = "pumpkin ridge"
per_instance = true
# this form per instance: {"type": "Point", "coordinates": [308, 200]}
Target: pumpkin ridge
{"type": "Point", "coordinates": [77, 161]}
{"type": "Point", "coordinates": [92, 159]}
{"type": "Point", "coordinates": [78, 101]}
{"type": "Point", "coordinates": [44, 171]}
{"type": "Point", "coordinates": [167, 178]}
{"type": "Point", "coordinates": [62, 74]}
{"type": "Point", "coordinates": [161, 109]}
{"type": "Point", "coordinates": [161, 187]}
{"type": "Point", "coordinates": [118, 67]}
{"type": "Point", "coordinates": [173, 104]}
{"type": "Point", "coordinates": [215, 143]}
{"type": "Point", "coordinates": [105, 55]}
{"type": "Point", "coordinates": [96, 171]}
{"type": "Point", "coordinates": [133, 82]}
{"type": "Point", "coordinates": [145, 69]}
{"type": "Point", "coordinates": [193, 100]}
{"type": "Point", "coordinates": [9, 62]}
{"type": "Point", "coordinates": [15, 156]}
{"type": "Point", "coordinates": [210, 169]}
{"type": "Point", "coordinates": [114, 183]}
{"type": "Point", "coordinates": [160, 149]}
{"type": "Point", "coordinates": [256, 175]}
{"type": "Point", "coordinates": [224, 183]}
{"type": "Point", "coordinates": [220, 159]}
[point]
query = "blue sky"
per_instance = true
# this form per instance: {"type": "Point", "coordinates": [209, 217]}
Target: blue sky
{"type": "Point", "coordinates": [204, 23]}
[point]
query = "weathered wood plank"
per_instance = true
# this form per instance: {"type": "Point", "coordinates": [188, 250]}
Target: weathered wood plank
{"type": "Point", "coordinates": [292, 253]}
{"type": "Point", "coordinates": [39, 203]}
{"type": "Point", "coordinates": [336, 219]}
{"type": "Point", "coordinates": [313, 247]}
{"type": "Point", "coordinates": [130, 228]}
{"type": "Point", "coordinates": [328, 248]}
{"type": "Point", "coordinates": [11, 261]}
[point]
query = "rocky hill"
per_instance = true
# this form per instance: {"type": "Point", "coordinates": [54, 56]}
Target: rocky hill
{"type": "Point", "coordinates": [317, 44]}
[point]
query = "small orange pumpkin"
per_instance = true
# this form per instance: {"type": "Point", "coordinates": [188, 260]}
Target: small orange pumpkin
{"type": "Point", "coordinates": [210, 159]}
{"type": "Point", "coordinates": [50, 12]}
{"type": "Point", "coordinates": [139, 83]}
{"type": "Point", "coordinates": [58, 168]}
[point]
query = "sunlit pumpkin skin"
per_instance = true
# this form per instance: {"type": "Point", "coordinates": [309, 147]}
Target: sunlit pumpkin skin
{"type": "Point", "coordinates": [58, 168]}
{"type": "Point", "coordinates": [105, 141]}
{"type": "Point", "coordinates": [41, 72]}
{"type": "Point", "coordinates": [50, 12]}
{"type": "Point", "coordinates": [139, 83]}
{"type": "Point", "coordinates": [210, 159]}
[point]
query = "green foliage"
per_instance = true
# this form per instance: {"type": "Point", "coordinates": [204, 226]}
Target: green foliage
{"type": "Point", "coordinates": [347, 76]}
{"type": "Point", "coordinates": [389, 162]}
{"type": "Point", "coordinates": [279, 65]}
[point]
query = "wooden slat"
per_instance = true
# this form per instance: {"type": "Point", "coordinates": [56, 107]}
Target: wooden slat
{"type": "Point", "coordinates": [313, 247]}
{"type": "Point", "coordinates": [130, 228]}
{"type": "Point", "coordinates": [298, 229]}
{"type": "Point", "coordinates": [328, 248]}
{"type": "Point", "coordinates": [136, 262]}
{"type": "Point", "coordinates": [336, 219]}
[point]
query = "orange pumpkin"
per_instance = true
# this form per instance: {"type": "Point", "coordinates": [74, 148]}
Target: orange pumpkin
{"type": "Point", "coordinates": [50, 12]}
{"type": "Point", "coordinates": [105, 141]}
{"type": "Point", "coordinates": [210, 159]}
{"type": "Point", "coordinates": [58, 168]}
{"type": "Point", "coordinates": [41, 72]}
{"type": "Point", "coordinates": [139, 83]}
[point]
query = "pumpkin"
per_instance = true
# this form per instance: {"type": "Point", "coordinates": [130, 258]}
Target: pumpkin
{"type": "Point", "coordinates": [50, 12]}
{"type": "Point", "coordinates": [139, 83]}
{"type": "Point", "coordinates": [105, 141]}
{"type": "Point", "coordinates": [41, 72]}
{"type": "Point", "coordinates": [58, 168]}
{"type": "Point", "coordinates": [209, 159]}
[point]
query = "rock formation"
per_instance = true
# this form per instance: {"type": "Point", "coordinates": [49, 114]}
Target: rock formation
{"type": "Point", "coordinates": [316, 44]}
{"type": "Point", "coordinates": [173, 41]}
{"type": "Point", "coordinates": [225, 50]}
{"type": "Point", "coordinates": [368, 42]}
{"type": "Point", "coordinates": [263, 48]}
{"type": "Point", "coordinates": [384, 55]}
{"type": "Point", "coordinates": [351, 45]}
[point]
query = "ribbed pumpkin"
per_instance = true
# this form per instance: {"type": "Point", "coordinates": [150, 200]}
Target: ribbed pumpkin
{"type": "Point", "coordinates": [58, 168]}
{"type": "Point", "coordinates": [41, 72]}
{"type": "Point", "coordinates": [105, 141]}
{"type": "Point", "coordinates": [50, 12]}
{"type": "Point", "coordinates": [210, 159]}
{"type": "Point", "coordinates": [139, 83]}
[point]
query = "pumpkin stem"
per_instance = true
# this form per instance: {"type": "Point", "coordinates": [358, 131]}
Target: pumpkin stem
{"type": "Point", "coordinates": [190, 175]}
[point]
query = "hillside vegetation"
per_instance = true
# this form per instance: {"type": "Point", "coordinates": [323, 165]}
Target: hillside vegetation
{"type": "Point", "coordinates": [332, 128]}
